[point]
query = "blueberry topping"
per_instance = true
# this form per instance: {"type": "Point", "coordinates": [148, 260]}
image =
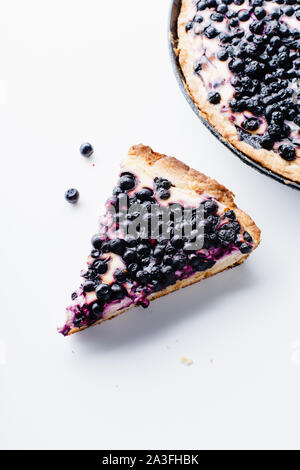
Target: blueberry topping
{"type": "Point", "coordinates": [72, 195]}
{"type": "Point", "coordinates": [86, 150]}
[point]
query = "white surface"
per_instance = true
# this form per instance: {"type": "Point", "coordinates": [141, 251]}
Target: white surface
{"type": "Point", "coordinates": [73, 71]}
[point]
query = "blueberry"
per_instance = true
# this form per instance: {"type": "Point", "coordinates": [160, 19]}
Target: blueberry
{"type": "Point", "coordinates": [131, 241]}
{"type": "Point", "coordinates": [214, 97]}
{"type": "Point", "coordinates": [245, 248]}
{"type": "Point", "coordinates": [97, 309]}
{"type": "Point", "coordinates": [287, 152]}
{"type": "Point", "coordinates": [95, 253]}
{"type": "Point", "coordinates": [247, 237]}
{"type": "Point", "coordinates": [230, 215]}
{"type": "Point", "coordinates": [142, 277]}
{"type": "Point", "coordinates": [189, 26]}
{"type": "Point", "coordinates": [210, 32]}
{"type": "Point", "coordinates": [222, 8]}
{"type": "Point", "coordinates": [143, 250]}
{"type": "Point", "coordinates": [217, 17]}
{"type": "Point", "coordinates": [103, 292]}
{"type": "Point", "coordinates": [176, 242]}
{"type": "Point", "coordinates": [260, 13]}
{"type": "Point", "coordinates": [226, 237]}
{"type": "Point", "coordinates": [167, 274]}
{"type": "Point", "coordinates": [133, 269]}
{"type": "Point", "coordinates": [222, 55]}
{"type": "Point", "coordinates": [164, 194]}
{"type": "Point", "coordinates": [289, 11]}
{"type": "Point", "coordinates": [126, 183]}
{"type": "Point", "coordinates": [178, 261]}
{"type": "Point", "coordinates": [234, 22]}
{"type": "Point", "coordinates": [210, 207]}
{"type": "Point", "coordinates": [88, 286]}
{"type": "Point", "coordinates": [266, 142]}
{"type": "Point", "coordinates": [86, 149]}
{"type": "Point", "coordinates": [203, 265]}
{"type": "Point", "coordinates": [251, 124]}
{"type": "Point", "coordinates": [201, 5]}
{"type": "Point", "coordinates": [211, 3]}
{"type": "Point", "coordinates": [158, 252]}
{"type": "Point", "coordinates": [144, 194]}
{"type": "Point", "coordinates": [97, 241]}
{"type": "Point", "coordinates": [130, 256]}
{"type": "Point", "coordinates": [236, 65]}
{"type": "Point", "coordinates": [117, 291]}
{"type": "Point", "coordinates": [72, 195]}
{"type": "Point", "coordinates": [117, 245]}
{"type": "Point", "coordinates": [120, 275]}
{"type": "Point", "coordinates": [100, 267]}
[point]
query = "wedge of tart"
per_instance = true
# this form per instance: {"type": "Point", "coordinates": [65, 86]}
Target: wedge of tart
{"type": "Point", "coordinates": [241, 63]}
{"type": "Point", "coordinates": [128, 267]}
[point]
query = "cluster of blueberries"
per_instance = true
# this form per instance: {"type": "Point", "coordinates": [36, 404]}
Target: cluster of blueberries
{"type": "Point", "coordinates": [153, 264]}
{"type": "Point", "coordinates": [265, 62]}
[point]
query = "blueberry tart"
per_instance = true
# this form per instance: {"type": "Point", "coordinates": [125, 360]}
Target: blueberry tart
{"type": "Point", "coordinates": [241, 63]}
{"type": "Point", "coordinates": [166, 226]}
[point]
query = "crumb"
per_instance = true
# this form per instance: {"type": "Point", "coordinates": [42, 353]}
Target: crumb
{"type": "Point", "coordinates": [186, 361]}
{"type": "Point", "coordinates": [167, 346]}
{"type": "Point", "coordinates": [73, 351]}
{"type": "Point", "coordinates": [211, 361]}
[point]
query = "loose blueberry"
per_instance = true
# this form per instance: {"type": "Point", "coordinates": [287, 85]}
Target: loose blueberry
{"type": "Point", "coordinates": [72, 195]}
{"type": "Point", "coordinates": [120, 275]}
{"type": "Point", "coordinates": [86, 150]}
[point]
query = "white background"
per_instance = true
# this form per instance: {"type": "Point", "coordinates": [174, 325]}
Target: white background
{"type": "Point", "coordinates": [93, 70]}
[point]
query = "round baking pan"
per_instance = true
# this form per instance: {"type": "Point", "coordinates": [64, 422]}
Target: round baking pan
{"type": "Point", "coordinates": [173, 39]}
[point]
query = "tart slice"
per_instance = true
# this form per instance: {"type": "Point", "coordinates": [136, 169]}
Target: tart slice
{"type": "Point", "coordinates": [241, 63]}
{"type": "Point", "coordinates": [166, 226]}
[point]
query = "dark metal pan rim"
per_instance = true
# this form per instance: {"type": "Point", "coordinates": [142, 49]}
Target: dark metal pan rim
{"type": "Point", "coordinates": [173, 37]}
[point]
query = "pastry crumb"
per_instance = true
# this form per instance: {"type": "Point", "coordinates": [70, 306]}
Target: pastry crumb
{"type": "Point", "coordinates": [186, 361]}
